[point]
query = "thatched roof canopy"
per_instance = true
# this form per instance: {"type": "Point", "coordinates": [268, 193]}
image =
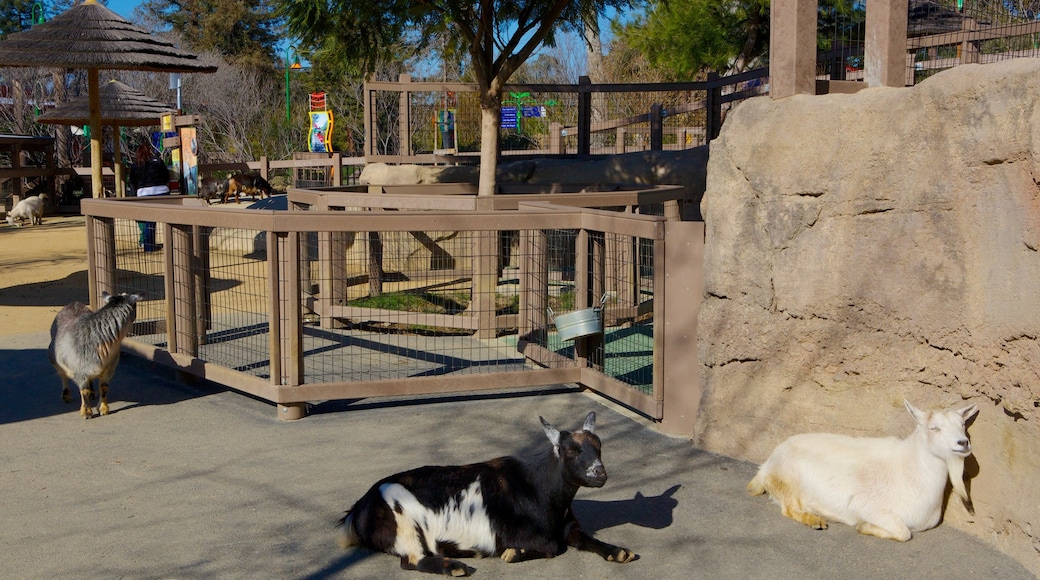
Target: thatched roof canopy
{"type": "Point", "coordinates": [121, 105]}
{"type": "Point", "coordinates": [91, 36]}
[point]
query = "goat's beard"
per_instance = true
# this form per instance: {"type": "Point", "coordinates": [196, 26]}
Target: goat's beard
{"type": "Point", "coordinates": [955, 466]}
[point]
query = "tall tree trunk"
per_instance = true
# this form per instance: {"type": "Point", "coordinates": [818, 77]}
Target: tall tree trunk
{"type": "Point", "coordinates": [490, 116]}
{"type": "Point", "coordinates": [594, 54]}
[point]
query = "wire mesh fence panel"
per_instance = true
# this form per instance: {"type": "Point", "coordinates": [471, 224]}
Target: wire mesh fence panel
{"type": "Point", "coordinates": [946, 33]}
{"type": "Point", "coordinates": [390, 305]}
{"type": "Point", "coordinates": [840, 40]}
{"type": "Point", "coordinates": [143, 273]}
{"type": "Point", "coordinates": [621, 279]}
{"type": "Point", "coordinates": [575, 275]}
{"type": "Point", "coordinates": [234, 310]}
{"type": "Point", "coordinates": [536, 122]}
{"type": "Point", "coordinates": [230, 319]}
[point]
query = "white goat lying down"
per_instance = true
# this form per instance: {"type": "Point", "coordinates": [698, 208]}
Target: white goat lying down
{"type": "Point", "coordinates": [886, 487]}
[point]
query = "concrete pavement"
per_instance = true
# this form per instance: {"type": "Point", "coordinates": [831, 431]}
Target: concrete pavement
{"type": "Point", "coordinates": [198, 482]}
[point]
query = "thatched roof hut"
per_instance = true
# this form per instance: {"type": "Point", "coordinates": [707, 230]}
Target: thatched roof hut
{"type": "Point", "coordinates": [121, 106]}
{"type": "Point", "coordinates": [91, 36]}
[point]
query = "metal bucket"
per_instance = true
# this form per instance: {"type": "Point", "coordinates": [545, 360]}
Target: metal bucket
{"type": "Point", "coordinates": [579, 323]}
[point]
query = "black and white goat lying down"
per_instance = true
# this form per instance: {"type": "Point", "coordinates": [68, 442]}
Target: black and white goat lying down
{"type": "Point", "coordinates": [515, 508]}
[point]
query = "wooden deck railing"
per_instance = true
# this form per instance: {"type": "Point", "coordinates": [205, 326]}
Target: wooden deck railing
{"type": "Point", "coordinates": [308, 279]}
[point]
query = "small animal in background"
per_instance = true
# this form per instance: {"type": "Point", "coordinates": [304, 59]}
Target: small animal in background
{"type": "Point", "coordinates": [886, 487]}
{"type": "Point", "coordinates": [211, 188]}
{"type": "Point", "coordinates": [30, 208]}
{"type": "Point", "coordinates": [247, 183]}
{"type": "Point", "coordinates": [515, 508]}
{"type": "Point", "coordinates": [85, 346]}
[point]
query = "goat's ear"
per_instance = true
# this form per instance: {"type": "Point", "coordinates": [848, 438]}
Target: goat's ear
{"type": "Point", "coordinates": [550, 432]}
{"type": "Point", "coordinates": [590, 422]}
{"type": "Point", "coordinates": [968, 412]}
{"type": "Point", "coordinates": [105, 297]}
{"type": "Point", "coordinates": [917, 414]}
{"type": "Point", "coordinates": [135, 298]}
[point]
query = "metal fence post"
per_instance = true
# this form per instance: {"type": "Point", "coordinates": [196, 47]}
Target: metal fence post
{"type": "Point", "coordinates": [584, 116]}
{"type": "Point", "coordinates": [713, 108]}
{"type": "Point", "coordinates": [657, 113]}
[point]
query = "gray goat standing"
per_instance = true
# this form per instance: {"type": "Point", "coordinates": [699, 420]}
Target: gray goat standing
{"type": "Point", "coordinates": [85, 346]}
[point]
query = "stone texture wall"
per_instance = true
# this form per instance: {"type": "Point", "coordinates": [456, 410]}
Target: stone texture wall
{"type": "Point", "coordinates": [866, 248]}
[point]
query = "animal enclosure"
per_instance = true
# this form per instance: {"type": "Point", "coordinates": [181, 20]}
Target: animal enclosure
{"type": "Point", "coordinates": [353, 294]}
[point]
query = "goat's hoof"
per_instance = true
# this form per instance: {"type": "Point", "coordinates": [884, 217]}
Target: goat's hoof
{"type": "Point", "coordinates": [510, 555]}
{"type": "Point", "coordinates": [459, 569]}
{"type": "Point", "coordinates": [103, 409]}
{"type": "Point", "coordinates": [622, 556]}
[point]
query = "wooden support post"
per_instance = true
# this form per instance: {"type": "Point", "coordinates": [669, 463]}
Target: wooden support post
{"type": "Point", "coordinates": [556, 138]}
{"type": "Point", "coordinates": [370, 126]}
{"type": "Point", "coordinates": [178, 253]}
{"type": "Point", "coordinates": [375, 264]}
{"type": "Point", "coordinates": [405, 118]}
{"type": "Point", "coordinates": [203, 282]}
{"type": "Point", "coordinates": [792, 47]}
{"type": "Point", "coordinates": [884, 50]}
{"type": "Point", "coordinates": [101, 258]}
{"type": "Point", "coordinates": [290, 320]}
{"type": "Point", "coordinates": [274, 309]}
{"type": "Point", "coordinates": [598, 264]}
{"type": "Point", "coordinates": [678, 271]}
{"type": "Point", "coordinates": [337, 169]}
{"type": "Point", "coordinates": [119, 187]}
{"type": "Point", "coordinates": [534, 287]}
{"type": "Point", "coordinates": [619, 141]}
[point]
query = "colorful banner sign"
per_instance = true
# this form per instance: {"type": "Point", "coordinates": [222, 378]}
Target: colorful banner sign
{"type": "Point", "coordinates": [190, 160]}
{"type": "Point", "coordinates": [320, 140]}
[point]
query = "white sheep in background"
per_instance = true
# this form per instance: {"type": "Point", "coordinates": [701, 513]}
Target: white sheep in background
{"type": "Point", "coordinates": [886, 487]}
{"type": "Point", "coordinates": [30, 208]}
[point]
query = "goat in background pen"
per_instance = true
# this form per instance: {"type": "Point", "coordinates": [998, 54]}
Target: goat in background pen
{"type": "Point", "coordinates": [85, 346]}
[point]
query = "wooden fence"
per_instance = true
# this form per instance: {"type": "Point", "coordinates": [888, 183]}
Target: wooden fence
{"type": "Point", "coordinates": [303, 333]}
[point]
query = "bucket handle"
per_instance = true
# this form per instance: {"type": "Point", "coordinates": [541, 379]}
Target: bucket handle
{"type": "Point", "coordinates": [552, 315]}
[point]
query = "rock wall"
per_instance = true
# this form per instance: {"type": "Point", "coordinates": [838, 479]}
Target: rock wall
{"type": "Point", "coordinates": [865, 248]}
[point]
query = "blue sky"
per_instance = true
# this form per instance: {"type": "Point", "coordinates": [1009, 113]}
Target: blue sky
{"type": "Point", "coordinates": [124, 8]}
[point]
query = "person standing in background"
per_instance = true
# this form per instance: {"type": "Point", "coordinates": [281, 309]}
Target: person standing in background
{"type": "Point", "coordinates": [148, 176]}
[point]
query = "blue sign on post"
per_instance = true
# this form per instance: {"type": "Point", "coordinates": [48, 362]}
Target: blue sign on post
{"type": "Point", "coordinates": [508, 118]}
{"type": "Point", "coordinates": [532, 111]}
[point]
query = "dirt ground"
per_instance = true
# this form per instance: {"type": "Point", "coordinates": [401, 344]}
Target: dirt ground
{"type": "Point", "coordinates": [42, 268]}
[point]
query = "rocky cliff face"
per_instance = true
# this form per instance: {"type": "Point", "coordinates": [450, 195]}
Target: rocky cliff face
{"type": "Point", "coordinates": [866, 248]}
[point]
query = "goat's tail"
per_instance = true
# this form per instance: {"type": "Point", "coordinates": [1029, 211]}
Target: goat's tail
{"type": "Point", "coordinates": [757, 485]}
{"type": "Point", "coordinates": [346, 535]}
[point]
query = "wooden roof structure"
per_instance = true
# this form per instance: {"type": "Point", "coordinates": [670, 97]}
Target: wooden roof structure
{"type": "Point", "coordinates": [92, 37]}
{"type": "Point", "coordinates": [121, 106]}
